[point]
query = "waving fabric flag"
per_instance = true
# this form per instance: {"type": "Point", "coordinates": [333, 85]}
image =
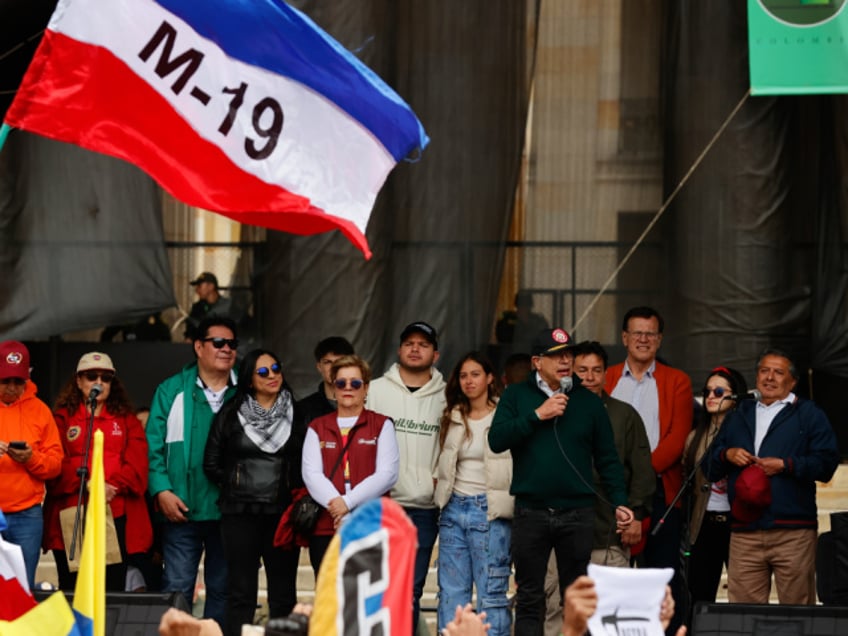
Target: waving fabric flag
{"type": "Point", "coordinates": [242, 108]}
{"type": "Point", "coordinates": [365, 582]}
{"type": "Point", "coordinates": [90, 592]}
{"type": "Point", "coordinates": [52, 617]}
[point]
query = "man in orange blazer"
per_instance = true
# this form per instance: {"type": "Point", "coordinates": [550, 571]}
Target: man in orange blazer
{"type": "Point", "coordinates": [663, 397]}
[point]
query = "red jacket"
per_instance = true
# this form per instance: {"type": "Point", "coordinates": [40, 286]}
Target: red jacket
{"type": "Point", "coordinates": [362, 456]}
{"type": "Point", "coordinates": [124, 467]}
{"type": "Point", "coordinates": [28, 420]}
{"type": "Point", "coordinates": [674, 390]}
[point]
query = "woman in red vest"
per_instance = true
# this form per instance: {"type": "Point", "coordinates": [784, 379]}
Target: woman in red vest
{"type": "Point", "coordinates": [350, 456]}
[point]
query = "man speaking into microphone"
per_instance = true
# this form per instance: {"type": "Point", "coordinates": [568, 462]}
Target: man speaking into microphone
{"type": "Point", "coordinates": [556, 430]}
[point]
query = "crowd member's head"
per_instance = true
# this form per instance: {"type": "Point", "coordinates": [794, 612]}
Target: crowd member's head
{"type": "Point", "coordinates": [552, 356]}
{"type": "Point", "coordinates": [590, 365]}
{"type": "Point", "coordinates": [641, 334]}
{"type": "Point", "coordinates": [95, 368]}
{"type": "Point", "coordinates": [327, 351]}
{"type": "Point", "coordinates": [260, 376]}
{"type": "Point", "coordinates": [777, 375]}
{"type": "Point", "coordinates": [215, 344]}
{"type": "Point", "coordinates": [516, 368]}
{"type": "Point", "coordinates": [351, 377]}
{"type": "Point", "coordinates": [419, 347]}
{"type": "Point", "coordinates": [206, 287]}
{"type": "Point", "coordinates": [14, 370]}
{"type": "Point", "coordinates": [472, 378]}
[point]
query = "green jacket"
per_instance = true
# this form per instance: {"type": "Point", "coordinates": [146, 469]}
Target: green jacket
{"type": "Point", "coordinates": [634, 451]}
{"type": "Point", "coordinates": [542, 476]}
{"type": "Point", "coordinates": [177, 428]}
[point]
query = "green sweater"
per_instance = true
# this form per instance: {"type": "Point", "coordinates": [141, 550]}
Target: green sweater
{"type": "Point", "coordinates": [542, 477]}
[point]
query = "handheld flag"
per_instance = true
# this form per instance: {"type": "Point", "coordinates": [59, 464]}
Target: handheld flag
{"type": "Point", "coordinates": [90, 592]}
{"type": "Point", "coordinates": [365, 582]}
{"type": "Point", "coordinates": [243, 108]}
{"type": "Point", "coordinates": [52, 617]}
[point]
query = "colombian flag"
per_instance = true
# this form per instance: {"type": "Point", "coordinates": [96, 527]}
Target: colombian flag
{"type": "Point", "coordinates": [244, 108]}
{"type": "Point", "coordinates": [365, 581]}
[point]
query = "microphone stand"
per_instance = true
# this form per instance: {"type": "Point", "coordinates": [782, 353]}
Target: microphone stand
{"type": "Point", "coordinates": [82, 472]}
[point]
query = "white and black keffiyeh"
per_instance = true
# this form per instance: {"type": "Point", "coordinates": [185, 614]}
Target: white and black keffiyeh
{"type": "Point", "coordinates": [270, 428]}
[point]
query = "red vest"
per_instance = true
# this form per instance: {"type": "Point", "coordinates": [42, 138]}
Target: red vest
{"type": "Point", "coordinates": [361, 454]}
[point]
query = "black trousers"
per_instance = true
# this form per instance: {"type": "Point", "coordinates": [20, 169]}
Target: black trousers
{"type": "Point", "coordinates": [707, 556]}
{"type": "Point", "coordinates": [247, 538]}
{"type": "Point", "coordinates": [116, 574]}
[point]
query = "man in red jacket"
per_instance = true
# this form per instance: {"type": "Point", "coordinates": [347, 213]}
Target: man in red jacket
{"type": "Point", "coordinates": [663, 397]}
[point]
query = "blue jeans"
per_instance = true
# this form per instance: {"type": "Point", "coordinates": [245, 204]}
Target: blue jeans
{"type": "Point", "coordinates": [426, 521]}
{"type": "Point", "coordinates": [473, 549]}
{"type": "Point", "coordinates": [25, 529]}
{"type": "Point", "coordinates": [182, 546]}
{"type": "Point", "coordinates": [534, 534]}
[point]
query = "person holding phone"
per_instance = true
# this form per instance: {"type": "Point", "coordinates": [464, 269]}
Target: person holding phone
{"type": "Point", "coordinates": [30, 453]}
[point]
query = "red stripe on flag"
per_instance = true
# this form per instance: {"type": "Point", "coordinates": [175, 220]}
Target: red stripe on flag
{"type": "Point", "coordinates": [83, 94]}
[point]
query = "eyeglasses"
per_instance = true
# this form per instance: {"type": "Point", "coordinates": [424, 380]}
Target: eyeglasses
{"type": "Point", "coordinates": [15, 381]}
{"type": "Point", "coordinates": [644, 335]}
{"type": "Point", "coordinates": [264, 372]}
{"type": "Point", "coordinates": [355, 384]}
{"type": "Point", "coordinates": [719, 391]}
{"type": "Point", "coordinates": [219, 343]}
{"type": "Point", "coordinates": [93, 376]}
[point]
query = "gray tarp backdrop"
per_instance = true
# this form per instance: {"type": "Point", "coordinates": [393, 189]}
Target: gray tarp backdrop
{"type": "Point", "coordinates": [756, 253]}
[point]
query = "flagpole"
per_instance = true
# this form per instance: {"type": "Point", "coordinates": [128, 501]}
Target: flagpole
{"type": "Point", "coordinates": [4, 132]}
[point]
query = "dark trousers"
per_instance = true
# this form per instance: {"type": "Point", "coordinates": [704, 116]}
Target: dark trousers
{"type": "Point", "coordinates": [246, 539]}
{"type": "Point", "coordinates": [663, 549]}
{"type": "Point", "coordinates": [707, 556]}
{"type": "Point", "coordinates": [318, 545]}
{"type": "Point", "coordinates": [116, 573]}
{"type": "Point", "coordinates": [534, 534]}
{"type": "Point", "coordinates": [426, 521]}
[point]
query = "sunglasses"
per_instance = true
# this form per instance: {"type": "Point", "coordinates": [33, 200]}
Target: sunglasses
{"type": "Point", "coordinates": [15, 381]}
{"type": "Point", "coordinates": [264, 372]}
{"type": "Point", "coordinates": [93, 376]}
{"type": "Point", "coordinates": [718, 392]}
{"type": "Point", "coordinates": [219, 343]}
{"type": "Point", "coordinates": [354, 384]}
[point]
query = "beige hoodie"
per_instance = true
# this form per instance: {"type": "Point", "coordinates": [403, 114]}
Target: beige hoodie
{"type": "Point", "coordinates": [416, 417]}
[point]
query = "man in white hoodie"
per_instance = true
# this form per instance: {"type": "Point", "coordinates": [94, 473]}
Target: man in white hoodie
{"type": "Point", "coordinates": [412, 393]}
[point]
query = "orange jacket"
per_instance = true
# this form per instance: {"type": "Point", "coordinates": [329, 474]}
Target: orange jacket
{"type": "Point", "coordinates": [30, 420]}
{"type": "Point", "coordinates": [674, 389]}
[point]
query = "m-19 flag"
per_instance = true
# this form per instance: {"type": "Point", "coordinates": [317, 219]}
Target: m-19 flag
{"type": "Point", "coordinates": [244, 108]}
{"type": "Point", "coordinates": [365, 582]}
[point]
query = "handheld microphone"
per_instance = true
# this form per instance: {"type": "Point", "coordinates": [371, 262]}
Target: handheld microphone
{"type": "Point", "coordinates": [753, 394]}
{"type": "Point", "coordinates": [96, 390]}
{"type": "Point", "coordinates": [566, 383]}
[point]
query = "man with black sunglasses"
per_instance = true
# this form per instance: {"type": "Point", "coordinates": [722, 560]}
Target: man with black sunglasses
{"type": "Point", "coordinates": [180, 418]}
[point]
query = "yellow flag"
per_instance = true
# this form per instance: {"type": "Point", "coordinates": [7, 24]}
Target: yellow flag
{"type": "Point", "coordinates": [90, 592]}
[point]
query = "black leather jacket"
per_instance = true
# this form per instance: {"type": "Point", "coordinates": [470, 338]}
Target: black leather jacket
{"type": "Point", "coordinates": [249, 478]}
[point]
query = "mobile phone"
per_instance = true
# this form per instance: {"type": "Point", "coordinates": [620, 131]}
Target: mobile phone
{"type": "Point", "coordinates": [18, 445]}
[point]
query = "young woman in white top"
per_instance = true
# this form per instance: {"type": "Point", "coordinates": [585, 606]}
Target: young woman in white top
{"type": "Point", "coordinates": [473, 493]}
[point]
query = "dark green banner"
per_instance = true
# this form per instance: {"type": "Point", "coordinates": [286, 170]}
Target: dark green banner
{"type": "Point", "coordinates": [798, 46]}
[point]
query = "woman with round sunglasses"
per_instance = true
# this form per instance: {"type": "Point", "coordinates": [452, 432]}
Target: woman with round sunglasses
{"type": "Point", "coordinates": [253, 456]}
{"type": "Point", "coordinates": [475, 526]}
{"type": "Point", "coordinates": [349, 457]}
{"type": "Point", "coordinates": [709, 520]}
{"type": "Point", "coordinates": [124, 466]}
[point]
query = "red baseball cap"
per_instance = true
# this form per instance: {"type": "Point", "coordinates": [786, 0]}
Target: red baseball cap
{"type": "Point", "coordinates": [752, 494]}
{"type": "Point", "coordinates": [14, 360]}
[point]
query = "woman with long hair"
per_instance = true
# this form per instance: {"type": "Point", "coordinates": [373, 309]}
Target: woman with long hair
{"type": "Point", "coordinates": [350, 456]}
{"type": "Point", "coordinates": [709, 521]}
{"type": "Point", "coordinates": [253, 456]}
{"type": "Point", "coordinates": [124, 466]}
{"type": "Point", "coordinates": [475, 525]}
